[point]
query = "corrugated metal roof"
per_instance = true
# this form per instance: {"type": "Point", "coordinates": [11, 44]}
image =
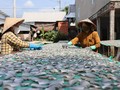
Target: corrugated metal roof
{"type": "Point", "coordinates": [71, 15]}
{"type": "Point", "coordinates": [1, 12]}
{"type": "Point", "coordinates": [2, 17]}
{"type": "Point", "coordinates": [1, 22]}
{"type": "Point", "coordinates": [24, 27]}
{"type": "Point", "coordinates": [44, 16]}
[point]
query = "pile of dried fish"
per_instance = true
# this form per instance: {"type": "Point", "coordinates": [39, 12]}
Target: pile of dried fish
{"type": "Point", "coordinates": [58, 68]}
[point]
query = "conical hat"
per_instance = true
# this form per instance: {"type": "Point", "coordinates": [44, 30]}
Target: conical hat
{"type": "Point", "coordinates": [9, 22]}
{"type": "Point", "coordinates": [88, 21]}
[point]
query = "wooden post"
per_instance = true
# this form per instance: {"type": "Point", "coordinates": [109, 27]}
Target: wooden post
{"type": "Point", "coordinates": [112, 26]}
{"type": "Point", "coordinates": [118, 54]}
{"type": "Point", "coordinates": [98, 26]}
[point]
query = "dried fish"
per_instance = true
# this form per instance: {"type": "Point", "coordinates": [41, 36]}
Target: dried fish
{"type": "Point", "coordinates": [6, 82]}
{"type": "Point", "coordinates": [74, 81]}
{"type": "Point", "coordinates": [35, 85]}
{"type": "Point", "coordinates": [8, 88]}
{"type": "Point", "coordinates": [18, 80]}
{"type": "Point", "coordinates": [78, 88]}
{"type": "Point", "coordinates": [57, 67]}
{"type": "Point", "coordinates": [54, 71]}
{"type": "Point", "coordinates": [68, 77]}
{"type": "Point", "coordinates": [34, 89]}
{"type": "Point", "coordinates": [25, 83]}
{"type": "Point", "coordinates": [1, 82]}
{"type": "Point", "coordinates": [107, 86]}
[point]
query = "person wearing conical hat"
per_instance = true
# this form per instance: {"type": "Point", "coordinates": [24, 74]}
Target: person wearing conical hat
{"type": "Point", "coordinates": [88, 37]}
{"type": "Point", "coordinates": [9, 40]}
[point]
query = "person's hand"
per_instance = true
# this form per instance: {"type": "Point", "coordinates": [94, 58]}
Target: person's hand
{"type": "Point", "coordinates": [35, 46]}
{"type": "Point", "coordinates": [69, 43]}
{"type": "Point", "coordinates": [93, 47]}
{"type": "Point", "coordinates": [110, 58]}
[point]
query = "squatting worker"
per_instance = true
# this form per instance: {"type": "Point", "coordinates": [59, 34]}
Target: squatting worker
{"type": "Point", "coordinates": [9, 41]}
{"type": "Point", "coordinates": [88, 37]}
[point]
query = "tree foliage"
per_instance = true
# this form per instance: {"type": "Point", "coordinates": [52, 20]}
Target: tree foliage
{"type": "Point", "coordinates": [66, 10]}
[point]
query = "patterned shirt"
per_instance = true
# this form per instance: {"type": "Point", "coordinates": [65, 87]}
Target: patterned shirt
{"type": "Point", "coordinates": [10, 42]}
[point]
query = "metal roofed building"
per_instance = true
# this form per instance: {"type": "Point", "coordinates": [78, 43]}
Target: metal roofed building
{"type": "Point", "coordinates": [44, 16]}
{"type": "Point", "coordinates": [46, 19]}
{"type": "Point", "coordinates": [2, 20]}
{"type": "Point", "coordinates": [2, 17]}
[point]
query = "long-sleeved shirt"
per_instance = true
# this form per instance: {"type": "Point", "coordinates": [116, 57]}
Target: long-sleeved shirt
{"type": "Point", "coordinates": [87, 39]}
{"type": "Point", "coordinates": [10, 41]}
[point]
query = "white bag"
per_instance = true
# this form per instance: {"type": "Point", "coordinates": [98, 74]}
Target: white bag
{"type": "Point", "coordinates": [38, 31]}
{"type": "Point", "coordinates": [35, 35]}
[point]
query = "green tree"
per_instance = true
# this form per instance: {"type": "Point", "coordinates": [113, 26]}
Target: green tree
{"type": "Point", "coordinates": [66, 10]}
{"type": "Point", "coordinates": [43, 32]}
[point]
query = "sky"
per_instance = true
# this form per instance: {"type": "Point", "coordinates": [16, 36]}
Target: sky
{"type": "Point", "coordinates": [32, 6]}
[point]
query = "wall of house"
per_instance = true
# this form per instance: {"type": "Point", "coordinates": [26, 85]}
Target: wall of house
{"type": "Point", "coordinates": [48, 26]}
{"type": "Point", "coordinates": [71, 8]}
{"type": "Point", "coordinates": [24, 36]}
{"type": "Point", "coordinates": [86, 8]}
{"type": "Point", "coordinates": [63, 27]}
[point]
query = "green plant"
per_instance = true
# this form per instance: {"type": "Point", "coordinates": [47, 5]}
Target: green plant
{"type": "Point", "coordinates": [66, 9]}
{"type": "Point", "coordinates": [43, 32]}
{"type": "Point", "coordinates": [51, 35]}
{"type": "Point", "coordinates": [37, 39]}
